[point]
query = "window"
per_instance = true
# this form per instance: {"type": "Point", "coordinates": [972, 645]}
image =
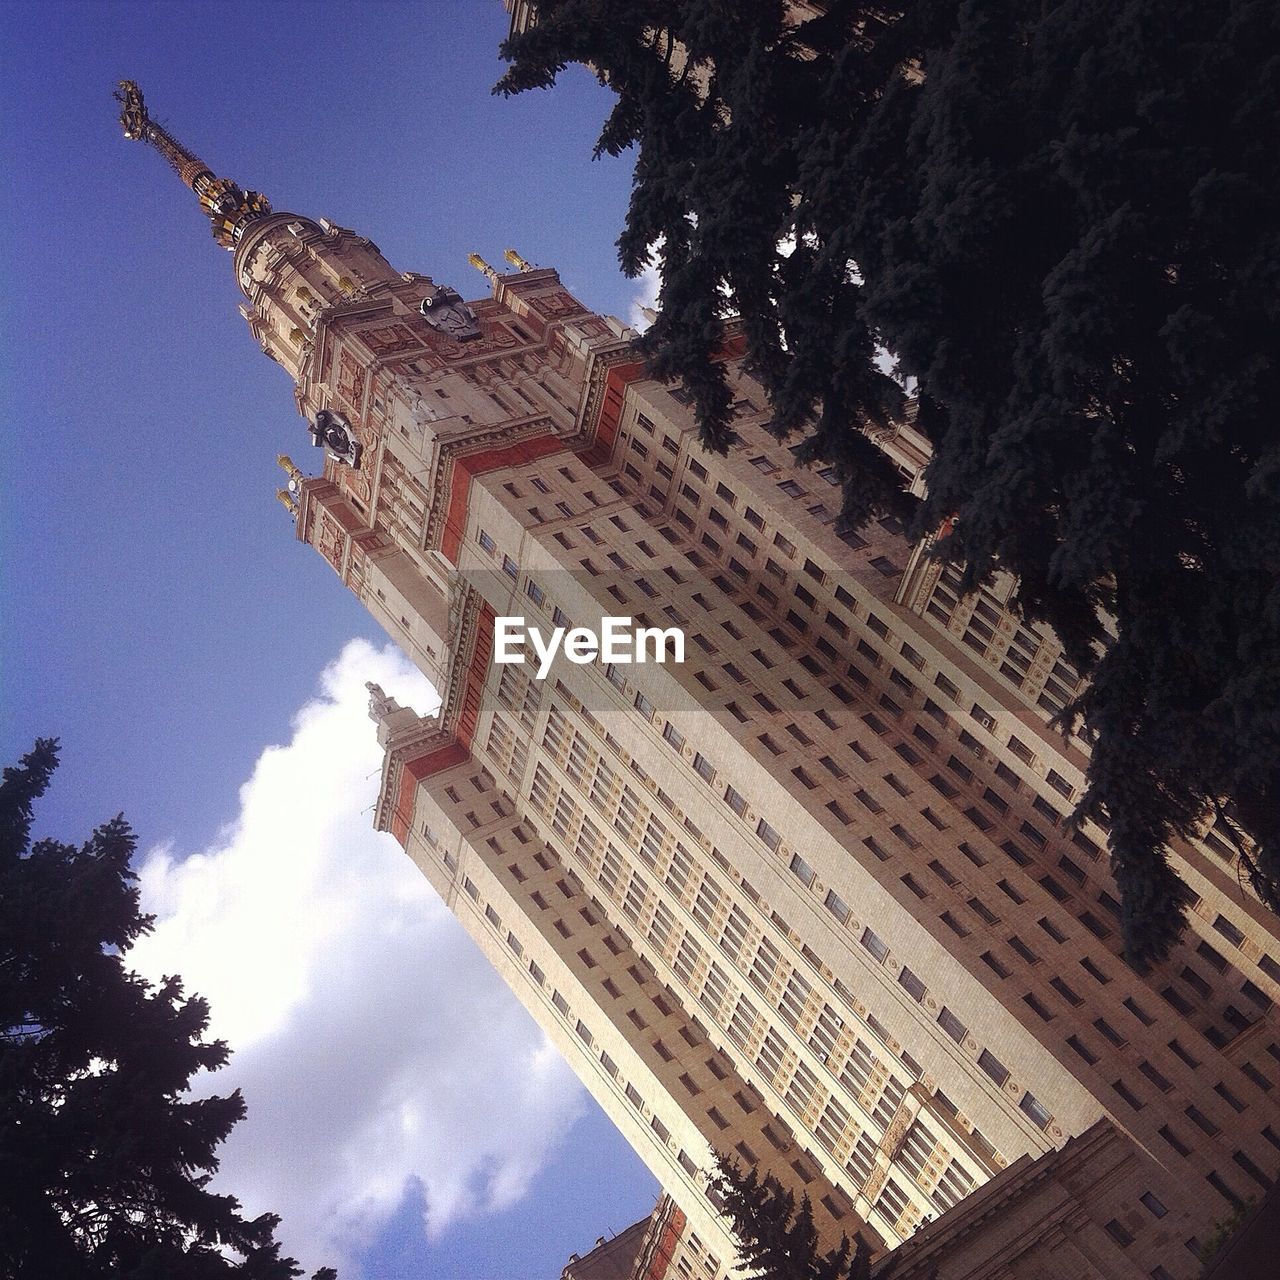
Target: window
{"type": "Point", "coordinates": [981, 909]}
{"type": "Point", "coordinates": [836, 905]}
{"type": "Point", "coordinates": [875, 944]}
{"type": "Point", "coordinates": [1152, 1205]}
{"type": "Point", "coordinates": [952, 1025]}
{"type": "Point", "coordinates": [767, 834]}
{"type": "Point", "coordinates": [486, 542]}
{"type": "Point", "coordinates": [1202, 1121]}
{"type": "Point", "coordinates": [993, 1067]}
{"type": "Point", "coordinates": [1074, 1042]}
{"type": "Point", "coordinates": [1035, 1109]}
{"type": "Point", "coordinates": [1009, 891]}
{"type": "Point", "coordinates": [735, 800]}
{"type": "Point", "coordinates": [510, 568]}
{"type": "Point", "coordinates": [1220, 1185]}
{"type": "Point", "coordinates": [1037, 1007]}
{"type": "Point", "coordinates": [1229, 1097]}
{"type": "Point", "coordinates": [1106, 1029]}
{"type": "Point", "coordinates": [673, 736]}
{"type": "Point", "coordinates": [1118, 1234]}
{"type": "Point", "coordinates": [1065, 992]}
{"type": "Point", "coordinates": [1123, 1091]}
{"type": "Point", "coordinates": [1228, 931]}
{"type": "Point", "coordinates": [1051, 929]}
{"type": "Point", "coordinates": [911, 984]}
{"type": "Point", "coordinates": [802, 870]}
{"type": "Point", "coordinates": [1252, 1170]}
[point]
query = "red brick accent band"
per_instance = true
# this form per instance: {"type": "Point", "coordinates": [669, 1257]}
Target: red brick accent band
{"type": "Point", "coordinates": [459, 750]}
{"type": "Point", "coordinates": [606, 426]}
{"type": "Point", "coordinates": [466, 469]}
{"type": "Point", "coordinates": [660, 1259]}
{"type": "Point", "coordinates": [413, 773]}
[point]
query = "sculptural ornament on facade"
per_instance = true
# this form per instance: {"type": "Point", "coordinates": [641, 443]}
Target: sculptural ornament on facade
{"type": "Point", "coordinates": [333, 432]}
{"type": "Point", "coordinates": [444, 310]}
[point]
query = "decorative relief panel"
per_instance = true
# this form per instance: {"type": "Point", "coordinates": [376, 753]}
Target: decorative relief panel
{"type": "Point", "coordinates": [554, 305]}
{"type": "Point", "coordinates": [594, 327]}
{"type": "Point", "coordinates": [358, 483]}
{"type": "Point", "coordinates": [351, 382]}
{"type": "Point", "coordinates": [372, 542]}
{"type": "Point", "coordinates": [331, 542]}
{"type": "Point", "coordinates": [495, 338]}
{"type": "Point", "coordinates": [390, 339]}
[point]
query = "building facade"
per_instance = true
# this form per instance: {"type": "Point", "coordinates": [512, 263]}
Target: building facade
{"type": "Point", "coordinates": [809, 897]}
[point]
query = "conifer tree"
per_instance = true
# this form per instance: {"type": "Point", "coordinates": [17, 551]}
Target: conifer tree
{"type": "Point", "coordinates": [1063, 221]}
{"type": "Point", "coordinates": [104, 1159]}
{"type": "Point", "coordinates": [777, 1240]}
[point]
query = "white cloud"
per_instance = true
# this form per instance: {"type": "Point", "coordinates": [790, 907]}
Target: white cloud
{"type": "Point", "coordinates": [379, 1054]}
{"type": "Point", "coordinates": [646, 295]}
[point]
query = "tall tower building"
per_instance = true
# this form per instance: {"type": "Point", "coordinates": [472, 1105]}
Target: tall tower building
{"type": "Point", "coordinates": [809, 897]}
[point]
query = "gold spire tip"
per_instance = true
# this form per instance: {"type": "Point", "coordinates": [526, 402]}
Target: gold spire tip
{"type": "Point", "coordinates": [517, 261]}
{"type": "Point", "coordinates": [229, 207]}
{"type": "Point", "coordinates": [482, 266]}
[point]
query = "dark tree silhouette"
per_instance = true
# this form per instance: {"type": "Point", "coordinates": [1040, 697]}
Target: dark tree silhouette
{"type": "Point", "coordinates": [1063, 220]}
{"type": "Point", "coordinates": [777, 1239]}
{"type": "Point", "coordinates": [104, 1159]}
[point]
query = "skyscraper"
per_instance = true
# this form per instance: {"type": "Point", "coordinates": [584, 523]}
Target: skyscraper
{"type": "Point", "coordinates": [809, 896]}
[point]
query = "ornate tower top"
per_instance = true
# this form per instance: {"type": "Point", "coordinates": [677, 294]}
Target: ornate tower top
{"type": "Point", "coordinates": [230, 208]}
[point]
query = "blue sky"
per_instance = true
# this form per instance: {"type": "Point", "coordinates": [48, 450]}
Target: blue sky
{"type": "Point", "coordinates": [160, 618]}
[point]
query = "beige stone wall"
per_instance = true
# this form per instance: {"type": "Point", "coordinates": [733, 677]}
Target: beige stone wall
{"type": "Point", "coordinates": [836, 836]}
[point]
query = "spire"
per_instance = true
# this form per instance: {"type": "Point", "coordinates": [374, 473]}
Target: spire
{"type": "Point", "coordinates": [229, 207]}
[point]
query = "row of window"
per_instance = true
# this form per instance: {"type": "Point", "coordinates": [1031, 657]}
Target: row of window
{"type": "Point", "coordinates": [707, 770]}
{"type": "Point", "coordinates": [759, 960]}
{"type": "Point", "coordinates": [580, 1028]}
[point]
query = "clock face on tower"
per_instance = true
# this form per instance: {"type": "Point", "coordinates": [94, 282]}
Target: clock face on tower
{"type": "Point", "coordinates": [332, 432]}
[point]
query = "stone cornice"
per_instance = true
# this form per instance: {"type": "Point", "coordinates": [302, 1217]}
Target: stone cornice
{"type": "Point", "coordinates": [1019, 1181]}
{"type": "Point", "coordinates": [401, 747]}
{"type": "Point", "coordinates": [465, 609]}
